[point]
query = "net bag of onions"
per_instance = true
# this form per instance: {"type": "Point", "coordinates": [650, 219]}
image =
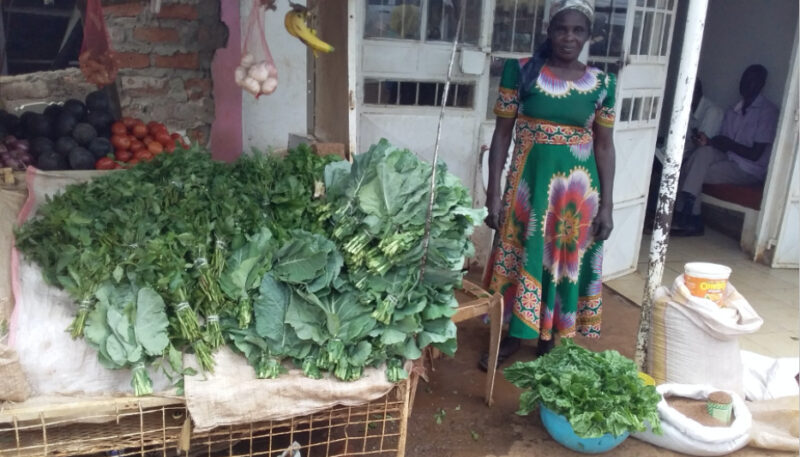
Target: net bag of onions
{"type": "Point", "coordinates": [256, 72]}
{"type": "Point", "coordinates": [97, 60]}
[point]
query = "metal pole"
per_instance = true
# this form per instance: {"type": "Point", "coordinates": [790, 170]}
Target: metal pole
{"type": "Point", "coordinates": [679, 122]}
{"type": "Point", "coordinates": [426, 239]}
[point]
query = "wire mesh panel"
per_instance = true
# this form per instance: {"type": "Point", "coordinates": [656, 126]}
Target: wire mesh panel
{"type": "Point", "coordinates": [374, 429]}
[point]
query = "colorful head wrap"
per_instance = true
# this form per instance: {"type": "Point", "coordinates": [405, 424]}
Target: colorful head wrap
{"type": "Point", "coordinates": [586, 7]}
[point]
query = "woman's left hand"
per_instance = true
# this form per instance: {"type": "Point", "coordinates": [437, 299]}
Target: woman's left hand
{"type": "Point", "coordinates": [603, 224]}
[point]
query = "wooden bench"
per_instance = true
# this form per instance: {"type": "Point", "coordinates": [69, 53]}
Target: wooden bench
{"type": "Point", "coordinates": [741, 199]}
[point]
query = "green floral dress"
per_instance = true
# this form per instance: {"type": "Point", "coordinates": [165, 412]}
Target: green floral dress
{"type": "Point", "coordinates": [544, 260]}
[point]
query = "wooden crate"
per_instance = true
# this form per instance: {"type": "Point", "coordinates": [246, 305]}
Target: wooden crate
{"type": "Point", "coordinates": [154, 427]}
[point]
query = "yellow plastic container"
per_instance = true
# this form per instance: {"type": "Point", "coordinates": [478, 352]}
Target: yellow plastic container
{"type": "Point", "coordinates": [647, 379]}
{"type": "Point", "coordinates": [707, 280]}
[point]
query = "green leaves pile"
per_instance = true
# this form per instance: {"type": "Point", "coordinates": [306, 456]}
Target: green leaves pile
{"type": "Point", "coordinates": [300, 258]}
{"type": "Point", "coordinates": [598, 393]}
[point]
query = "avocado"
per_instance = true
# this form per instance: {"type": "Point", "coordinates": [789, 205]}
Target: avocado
{"type": "Point", "coordinates": [101, 121]}
{"type": "Point", "coordinates": [100, 147]}
{"type": "Point", "coordinates": [53, 111]}
{"type": "Point", "coordinates": [65, 144]}
{"type": "Point", "coordinates": [97, 101]}
{"type": "Point", "coordinates": [41, 145]}
{"type": "Point", "coordinates": [84, 134]}
{"type": "Point", "coordinates": [76, 108]}
{"type": "Point", "coordinates": [52, 161]}
{"type": "Point", "coordinates": [81, 159]}
{"type": "Point", "coordinates": [39, 126]}
{"type": "Point", "coordinates": [65, 124]}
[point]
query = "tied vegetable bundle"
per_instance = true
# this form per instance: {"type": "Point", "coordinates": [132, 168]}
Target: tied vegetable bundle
{"type": "Point", "coordinates": [187, 254]}
{"type": "Point", "coordinates": [598, 392]}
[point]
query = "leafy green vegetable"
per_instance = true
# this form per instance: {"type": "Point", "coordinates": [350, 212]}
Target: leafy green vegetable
{"type": "Point", "coordinates": [598, 393]}
{"type": "Point", "coordinates": [298, 258]}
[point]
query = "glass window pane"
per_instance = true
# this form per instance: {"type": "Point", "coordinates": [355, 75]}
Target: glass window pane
{"type": "Point", "coordinates": [648, 103]}
{"type": "Point", "coordinates": [636, 32]}
{"type": "Point", "coordinates": [465, 96]}
{"type": "Point", "coordinates": [625, 114]}
{"type": "Point", "coordinates": [371, 91]}
{"type": "Point", "coordinates": [639, 2]}
{"type": "Point", "coordinates": [651, 3]}
{"type": "Point", "coordinates": [658, 27]}
{"type": "Point", "coordinates": [647, 31]}
{"type": "Point", "coordinates": [517, 25]}
{"type": "Point", "coordinates": [407, 93]}
{"type": "Point", "coordinates": [427, 94]}
{"type": "Point", "coordinates": [398, 19]}
{"type": "Point", "coordinates": [637, 109]}
{"type": "Point", "coordinates": [661, 4]}
{"type": "Point", "coordinates": [495, 72]}
{"type": "Point", "coordinates": [443, 20]}
{"type": "Point", "coordinates": [665, 39]}
{"type": "Point", "coordinates": [654, 111]}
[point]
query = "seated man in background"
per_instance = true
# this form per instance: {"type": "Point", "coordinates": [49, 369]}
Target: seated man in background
{"type": "Point", "coordinates": [738, 155]}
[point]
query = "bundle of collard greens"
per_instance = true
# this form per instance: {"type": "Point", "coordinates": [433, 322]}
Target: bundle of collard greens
{"type": "Point", "coordinates": [598, 392]}
{"type": "Point", "coordinates": [186, 254]}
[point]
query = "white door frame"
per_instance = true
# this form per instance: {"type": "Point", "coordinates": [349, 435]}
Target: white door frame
{"type": "Point", "coordinates": [778, 197]}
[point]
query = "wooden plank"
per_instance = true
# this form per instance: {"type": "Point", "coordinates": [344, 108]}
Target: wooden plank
{"type": "Point", "coordinates": [36, 411]}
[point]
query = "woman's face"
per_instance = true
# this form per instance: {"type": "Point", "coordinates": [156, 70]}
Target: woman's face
{"type": "Point", "coordinates": [568, 32]}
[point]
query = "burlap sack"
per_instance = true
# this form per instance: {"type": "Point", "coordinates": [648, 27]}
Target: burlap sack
{"type": "Point", "coordinates": [233, 395]}
{"type": "Point", "coordinates": [776, 424]}
{"type": "Point", "coordinates": [11, 200]}
{"type": "Point", "coordinates": [13, 385]}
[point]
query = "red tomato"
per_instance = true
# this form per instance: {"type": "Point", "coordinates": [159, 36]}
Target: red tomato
{"type": "Point", "coordinates": [139, 131]}
{"type": "Point", "coordinates": [128, 122]}
{"type": "Point", "coordinates": [137, 145]}
{"type": "Point", "coordinates": [123, 155]}
{"type": "Point", "coordinates": [142, 155]}
{"type": "Point", "coordinates": [132, 162]}
{"type": "Point", "coordinates": [118, 128]}
{"type": "Point", "coordinates": [104, 163]}
{"type": "Point", "coordinates": [147, 140]}
{"type": "Point", "coordinates": [120, 142]}
{"type": "Point", "coordinates": [169, 148]}
{"type": "Point", "coordinates": [155, 127]}
{"type": "Point", "coordinates": [164, 138]}
{"type": "Point", "coordinates": [155, 147]}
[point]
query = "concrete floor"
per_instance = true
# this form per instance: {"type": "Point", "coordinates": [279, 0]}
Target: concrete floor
{"type": "Point", "coordinates": [773, 293]}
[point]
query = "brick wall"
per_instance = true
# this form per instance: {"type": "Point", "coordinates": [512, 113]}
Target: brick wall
{"type": "Point", "coordinates": [165, 65]}
{"type": "Point", "coordinates": [165, 60]}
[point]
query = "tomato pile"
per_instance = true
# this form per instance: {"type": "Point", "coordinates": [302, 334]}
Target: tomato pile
{"type": "Point", "coordinates": [134, 142]}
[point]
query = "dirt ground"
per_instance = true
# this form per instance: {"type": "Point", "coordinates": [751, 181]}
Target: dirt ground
{"type": "Point", "coordinates": [471, 429]}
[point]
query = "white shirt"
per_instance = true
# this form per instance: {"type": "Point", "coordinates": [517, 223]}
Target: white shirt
{"type": "Point", "coordinates": [707, 118]}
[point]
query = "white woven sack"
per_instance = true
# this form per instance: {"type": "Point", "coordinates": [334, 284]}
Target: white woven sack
{"type": "Point", "coordinates": [694, 341]}
{"type": "Point", "coordinates": [685, 435]}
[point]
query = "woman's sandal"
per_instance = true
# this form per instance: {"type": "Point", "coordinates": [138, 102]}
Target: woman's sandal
{"type": "Point", "coordinates": [545, 346]}
{"type": "Point", "coordinates": [508, 347]}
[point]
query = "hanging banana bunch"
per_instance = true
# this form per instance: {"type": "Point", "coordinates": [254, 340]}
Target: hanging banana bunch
{"type": "Point", "coordinates": [295, 22]}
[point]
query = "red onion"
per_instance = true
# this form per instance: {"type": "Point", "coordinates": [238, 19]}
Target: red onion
{"type": "Point", "coordinates": [3, 148]}
{"type": "Point", "coordinates": [10, 139]}
{"type": "Point", "coordinates": [22, 145]}
{"type": "Point", "coordinates": [26, 159]}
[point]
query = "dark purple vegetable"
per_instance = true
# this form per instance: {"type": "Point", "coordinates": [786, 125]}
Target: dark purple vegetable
{"type": "Point", "coordinates": [10, 139]}
{"type": "Point", "coordinates": [22, 145]}
{"type": "Point", "coordinates": [65, 144]}
{"type": "Point", "coordinates": [3, 148]}
{"type": "Point", "coordinates": [52, 161]}
{"type": "Point", "coordinates": [26, 159]}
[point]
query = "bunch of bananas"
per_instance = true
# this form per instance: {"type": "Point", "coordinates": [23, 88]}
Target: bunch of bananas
{"type": "Point", "coordinates": [295, 23]}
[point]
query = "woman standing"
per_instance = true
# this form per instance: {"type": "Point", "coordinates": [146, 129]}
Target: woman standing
{"type": "Point", "coordinates": [556, 211]}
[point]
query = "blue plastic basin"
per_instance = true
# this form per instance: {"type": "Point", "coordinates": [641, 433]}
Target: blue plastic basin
{"type": "Point", "coordinates": [560, 429]}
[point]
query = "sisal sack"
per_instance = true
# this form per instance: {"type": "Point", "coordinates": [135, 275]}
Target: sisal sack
{"type": "Point", "coordinates": [13, 385]}
{"type": "Point", "coordinates": [53, 362]}
{"type": "Point", "coordinates": [216, 399]}
{"type": "Point", "coordinates": [694, 341]}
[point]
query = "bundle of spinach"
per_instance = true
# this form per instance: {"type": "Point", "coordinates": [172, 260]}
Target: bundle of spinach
{"type": "Point", "coordinates": [598, 393]}
{"type": "Point", "coordinates": [185, 254]}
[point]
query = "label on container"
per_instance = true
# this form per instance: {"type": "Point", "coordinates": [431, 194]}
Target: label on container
{"type": "Point", "coordinates": [719, 411]}
{"type": "Point", "coordinates": [710, 289]}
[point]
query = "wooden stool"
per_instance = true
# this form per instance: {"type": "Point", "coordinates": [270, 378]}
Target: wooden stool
{"type": "Point", "coordinates": [473, 302]}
